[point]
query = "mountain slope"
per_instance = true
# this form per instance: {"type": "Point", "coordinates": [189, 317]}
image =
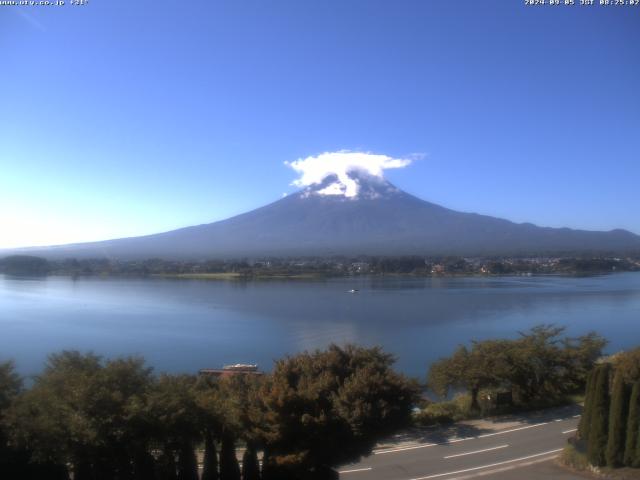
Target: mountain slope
{"type": "Point", "coordinates": [379, 220]}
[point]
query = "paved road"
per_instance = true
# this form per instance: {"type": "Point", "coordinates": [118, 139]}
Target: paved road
{"type": "Point", "coordinates": [474, 452]}
{"type": "Point", "coordinates": [546, 470]}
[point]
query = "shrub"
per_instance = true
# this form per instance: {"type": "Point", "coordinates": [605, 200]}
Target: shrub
{"type": "Point", "coordinates": [574, 458]}
{"type": "Point", "coordinates": [444, 412]}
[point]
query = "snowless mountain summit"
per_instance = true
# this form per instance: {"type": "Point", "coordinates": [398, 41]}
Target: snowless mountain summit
{"type": "Point", "coordinates": [352, 213]}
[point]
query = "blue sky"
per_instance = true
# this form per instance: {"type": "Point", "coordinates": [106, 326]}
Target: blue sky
{"type": "Point", "coordinates": [122, 118]}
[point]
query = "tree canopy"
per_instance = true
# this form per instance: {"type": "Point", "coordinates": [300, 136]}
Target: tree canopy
{"type": "Point", "coordinates": [538, 364]}
{"type": "Point", "coordinates": [329, 407]}
{"type": "Point", "coordinates": [115, 419]}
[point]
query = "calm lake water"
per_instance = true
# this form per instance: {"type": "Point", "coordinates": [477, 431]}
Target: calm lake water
{"type": "Point", "coordinates": [183, 325]}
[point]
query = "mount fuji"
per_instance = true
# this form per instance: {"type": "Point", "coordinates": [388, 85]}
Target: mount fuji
{"type": "Point", "coordinates": [350, 214]}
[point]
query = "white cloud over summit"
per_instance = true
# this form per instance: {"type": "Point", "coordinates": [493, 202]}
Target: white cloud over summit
{"type": "Point", "coordinates": [313, 170]}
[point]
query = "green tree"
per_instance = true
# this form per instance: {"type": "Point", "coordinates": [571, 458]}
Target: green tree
{"type": "Point", "coordinates": [538, 364]}
{"type": "Point", "coordinates": [229, 467]}
{"type": "Point", "coordinates": [166, 466]}
{"type": "Point", "coordinates": [174, 418]}
{"type": "Point", "coordinates": [329, 407]}
{"type": "Point", "coordinates": [79, 412]}
{"type": "Point", "coordinates": [10, 385]}
{"type": "Point", "coordinates": [484, 366]}
{"type": "Point", "coordinates": [269, 469]}
{"type": "Point", "coordinates": [143, 465]}
{"type": "Point", "coordinates": [39, 430]}
{"type": "Point", "coordinates": [617, 421]}
{"type": "Point", "coordinates": [12, 461]}
{"type": "Point", "coordinates": [585, 418]}
{"type": "Point", "coordinates": [628, 363]}
{"type": "Point", "coordinates": [24, 265]}
{"type": "Point", "coordinates": [51, 418]}
{"type": "Point", "coordinates": [240, 405]}
{"type": "Point", "coordinates": [250, 465]}
{"type": "Point", "coordinates": [187, 463]}
{"type": "Point", "coordinates": [209, 400]}
{"type": "Point", "coordinates": [581, 355]}
{"type": "Point", "coordinates": [633, 428]}
{"type": "Point", "coordinates": [240, 415]}
{"type": "Point", "coordinates": [599, 418]}
{"type": "Point", "coordinates": [114, 393]}
{"type": "Point", "coordinates": [210, 462]}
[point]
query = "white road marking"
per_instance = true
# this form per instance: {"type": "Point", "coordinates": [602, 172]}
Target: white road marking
{"type": "Point", "coordinates": [476, 451]}
{"type": "Point", "coordinates": [356, 470]}
{"type": "Point", "coordinates": [488, 466]}
{"type": "Point", "coordinates": [512, 430]}
{"type": "Point", "coordinates": [402, 449]}
{"type": "Point", "coordinates": [426, 445]}
{"type": "Point", "coordinates": [456, 440]}
{"type": "Point", "coordinates": [503, 468]}
{"type": "Point", "coordinates": [569, 431]}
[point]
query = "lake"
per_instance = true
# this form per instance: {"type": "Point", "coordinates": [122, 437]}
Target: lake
{"type": "Point", "coordinates": [183, 325]}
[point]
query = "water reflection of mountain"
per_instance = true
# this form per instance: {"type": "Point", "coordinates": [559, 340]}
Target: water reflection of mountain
{"type": "Point", "coordinates": [184, 325]}
{"type": "Point", "coordinates": [384, 301]}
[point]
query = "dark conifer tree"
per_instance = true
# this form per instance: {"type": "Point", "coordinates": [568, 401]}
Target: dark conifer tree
{"type": "Point", "coordinates": [272, 471]}
{"type": "Point", "coordinates": [633, 427]}
{"type": "Point", "coordinates": [229, 468]}
{"type": "Point", "coordinates": [585, 419]}
{"type": "Point", "coordinates": [250, 465]}
{"type": "Point", "coordinates": [599, 417]}
{"type": "Point", "coordinates": [82, 470]}
{"type": "Point", "coordinates": [143, 466]}
{"type": "Point", "coordinates": [123, 464]}
{"type": "Point", "coordinates": [166, 467]}
{"type": "Point", "coordinates": [210, 467]}
{"type": "Point", "coordinates": [104, 469]}
{"type": "Point", "coordinates": [617, 422]}
{"type": "Point", "coordinates": [187, 463]}
{"type": "Point", "coordinates": [50, 471]}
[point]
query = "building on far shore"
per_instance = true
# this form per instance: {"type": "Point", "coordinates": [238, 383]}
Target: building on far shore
{"type": "Point", "coordinates": [231, 370]}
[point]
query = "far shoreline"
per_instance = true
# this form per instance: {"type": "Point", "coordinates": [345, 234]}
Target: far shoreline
{"type": "Point", "coordinates": [243, 277]}
{"type": "Point", "coordinates": [323, 268]}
